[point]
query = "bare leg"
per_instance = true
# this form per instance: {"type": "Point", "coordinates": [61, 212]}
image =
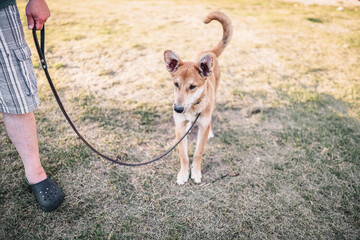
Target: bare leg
{"type": "Point", "coordinates": [21, 129]}
{"type": "Point", "coordinates": [183, 174]}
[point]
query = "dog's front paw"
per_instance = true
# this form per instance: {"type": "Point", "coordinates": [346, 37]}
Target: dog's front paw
{"type": "Point", "coordinates": [182, 177]}
{"type": "Point", "coordinates": [196, 175]}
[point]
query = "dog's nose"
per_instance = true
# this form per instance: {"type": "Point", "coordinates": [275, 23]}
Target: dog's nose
{"type": "Point", "coordinates": [178, 109]}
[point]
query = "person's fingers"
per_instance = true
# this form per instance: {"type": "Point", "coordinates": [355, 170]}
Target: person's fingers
{"type": "Point", "coordinates": [37, 13]}
{"type": "Point", "coordinates": [30, 22]}
{"type": "Point", "coordinates": [39, 24]}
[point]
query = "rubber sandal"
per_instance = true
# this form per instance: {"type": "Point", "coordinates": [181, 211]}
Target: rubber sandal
{"type": "Point", "coordinates": [48, 194]}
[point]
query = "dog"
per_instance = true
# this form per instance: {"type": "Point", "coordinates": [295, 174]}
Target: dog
{"type": "Point", "coordinates": [195, 86]}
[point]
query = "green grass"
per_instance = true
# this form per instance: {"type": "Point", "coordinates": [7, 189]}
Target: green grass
{"type": "Point", "coordinates": [287, 121]}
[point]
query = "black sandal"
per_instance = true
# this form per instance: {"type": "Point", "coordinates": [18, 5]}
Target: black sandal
{"type": "Point", "coordinates": [48, 194]}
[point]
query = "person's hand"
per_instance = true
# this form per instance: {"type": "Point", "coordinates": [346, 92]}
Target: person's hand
{"type": "Point", "coordinates": [38, 11]}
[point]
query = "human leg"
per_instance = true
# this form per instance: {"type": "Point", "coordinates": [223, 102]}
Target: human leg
{"type": "Point", "coordinates": [18, 99]}
{"type": "Point", "coordinates": [21, 129]}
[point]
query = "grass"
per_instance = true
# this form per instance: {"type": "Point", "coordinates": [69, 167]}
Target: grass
{"type": "Point", "coordinates": [287, 120]}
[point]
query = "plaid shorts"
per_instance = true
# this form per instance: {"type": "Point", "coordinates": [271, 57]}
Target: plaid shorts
{"type": "Point", "coordinates": [18, 85]}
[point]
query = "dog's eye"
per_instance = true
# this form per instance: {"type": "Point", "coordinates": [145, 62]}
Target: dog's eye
{"type": "Point", "coordinates": [192, 87]}
{"type": "Point", "coordinates": [176, 85]}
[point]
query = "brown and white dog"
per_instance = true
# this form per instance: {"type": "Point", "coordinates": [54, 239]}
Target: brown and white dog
{"type": "Point", "coordinates": [195, 85]}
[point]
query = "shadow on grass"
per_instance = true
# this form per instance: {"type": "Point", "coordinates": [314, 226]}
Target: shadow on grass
{"type": "Point", "coordinates": [326, 146]}
{"type": "Point", "coordinates": [297, 180]}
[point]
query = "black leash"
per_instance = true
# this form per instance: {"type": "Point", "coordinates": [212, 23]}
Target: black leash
{"type": "Point", "coordinates": [41, 52]}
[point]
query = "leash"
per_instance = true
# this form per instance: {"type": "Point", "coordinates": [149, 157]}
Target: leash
{"type": "Point", "coordinates": [117, 160]}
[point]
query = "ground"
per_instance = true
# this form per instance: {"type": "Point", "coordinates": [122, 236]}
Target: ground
{"type": "Point", "coordinates": [286, 124]}
{"type": "Point", "coordinates": [329, 2]}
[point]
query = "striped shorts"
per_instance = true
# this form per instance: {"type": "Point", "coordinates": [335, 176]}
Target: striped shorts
{"type": "Point", "coordinates": [18, 85]}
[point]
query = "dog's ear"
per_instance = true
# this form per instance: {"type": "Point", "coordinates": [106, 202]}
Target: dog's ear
{"type": "Point", "coordinates": [172, 61]}
{"type": "Point", "coordinates": [205, 65]}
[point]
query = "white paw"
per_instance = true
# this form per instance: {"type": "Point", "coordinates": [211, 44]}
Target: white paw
{"type": "Point", "coordinates": [196, 175]}
{"type": "Point", "coordinates": [182, 177]}
{"type": "Point", "coordinates": [211, 134]}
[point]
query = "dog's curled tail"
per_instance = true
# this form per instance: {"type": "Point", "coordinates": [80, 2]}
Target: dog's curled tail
{"type": "Point", "coordinates": [227, 30]}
